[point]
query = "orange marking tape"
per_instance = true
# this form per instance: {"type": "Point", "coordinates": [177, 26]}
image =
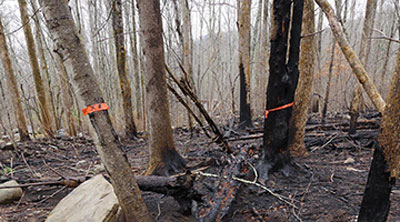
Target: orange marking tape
{"type": "Point", "coordinates": [278, 108]}
{"type": "Point", "coordinates": [95, 108]}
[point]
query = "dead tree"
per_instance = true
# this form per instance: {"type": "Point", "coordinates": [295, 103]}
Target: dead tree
{"type": "Point", "coordinates": [284, 74]}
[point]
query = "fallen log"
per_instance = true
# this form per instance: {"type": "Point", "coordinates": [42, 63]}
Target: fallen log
{"type": "Point", "coordinates": [218, 206]}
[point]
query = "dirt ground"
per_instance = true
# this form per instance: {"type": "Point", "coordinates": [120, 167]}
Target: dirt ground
{"type": "Point", "coordinates": [328, 188]}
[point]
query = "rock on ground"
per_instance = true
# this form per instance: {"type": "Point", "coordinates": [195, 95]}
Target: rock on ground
{"type": "Point", "coordinates": [8, 195]}
{"type": "Point", "coordinates": [92, 201]}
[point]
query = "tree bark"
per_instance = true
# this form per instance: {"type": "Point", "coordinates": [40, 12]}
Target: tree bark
{"type": "Point", "coordinates": [244, 14]}
{"type": "Point", "coordinates": [13, 87]}
{"type": "Point", "coordinates": [351, 57]}
{"type": "Point", "coordinates": [187, 50]}
{"type": "Point", "coordinates": [281, 85]}
{"type": "Point", "coordinates": [69, 46]}
{"type": "Point", "coordinates": [164, 159]}
{"type": "Point", "coordinates": [66, 95]}
{"type": "Point", "coordinates": [118, 28]}
{"type": "Point", "coordinates": [365, 46]}
{"type": "Point", "coordinates": [44, 68]}
{"type": "Point", "coordinates": [303, 91]}
{"type": "Point", "coordinates": [40, 90]}
{"type": "Point", "coordinates": [385, 166]}
{"type": "Point", "coordinates": [136, 68]}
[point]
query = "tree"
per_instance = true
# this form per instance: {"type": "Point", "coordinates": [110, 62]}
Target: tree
{"type": "Point", "coordinates": [118, 28]}
{"type": "Point", "coordinates": [244, 13]}
{"type": "Point", "coordinates": [187, 49]}
{"type": "Point", "coordinates": [13, 87]}
{"type": "Point", "coordinates": [40, 41]}
{"type": "Point", "coordinates": [365, 46]}
{"type": "Point", "coordinates": [303, 91]}
{"type": "Point", "coordinates": [385, 166]}
{"type": "Point", "coordinates": [71, 49]}
{"type": "Point", "coordinates": [40, 90]}
{"type": "Point", "coordinates": [66, 93]}
{"type": "Point", "coordinates": [282, 84]}
{"type": "Point", "coordinates": [164, 159]}
{"type": "Point", "coordinates": [351, 57]}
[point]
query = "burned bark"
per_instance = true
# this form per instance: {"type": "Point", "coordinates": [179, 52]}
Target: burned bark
{"type": "Point", "coordinates": [385, 166]}
{"type": "Point", "coordinates": [244, 10]}
{"type": "Point", "coordinates": [281, 86]}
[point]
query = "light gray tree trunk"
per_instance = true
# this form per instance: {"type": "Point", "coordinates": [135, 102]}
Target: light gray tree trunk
{"type": "Point", "coordinates": [69, 46]}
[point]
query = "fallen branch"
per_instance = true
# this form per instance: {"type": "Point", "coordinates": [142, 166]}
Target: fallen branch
{"type": "Point", "coordinates": [188, 92]}
{"type": "Point", "coordinates": [180, 99]}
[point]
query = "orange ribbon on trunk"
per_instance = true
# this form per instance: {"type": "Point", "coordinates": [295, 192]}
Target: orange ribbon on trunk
{"type": "Point", "coordinates": [278, 108]}
{"type": "Point", "coordinates": [95, 108]}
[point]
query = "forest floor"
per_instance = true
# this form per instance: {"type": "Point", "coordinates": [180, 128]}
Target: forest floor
{"type": "Point", "coordinates": [329, 189]}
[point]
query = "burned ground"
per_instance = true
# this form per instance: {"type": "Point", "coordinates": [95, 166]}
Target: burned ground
{"type": "Point", "coordinates": [328, 185]}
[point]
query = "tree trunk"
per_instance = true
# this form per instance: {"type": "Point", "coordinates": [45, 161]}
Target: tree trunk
{"type": "Point", "coordinates": [351, 56]}
{"type": "Point", "coordinates": [244, 14]}
{"type": "Point", "coordinates": [365, 46]}
{"type": "Point", "coordinates": [187, 50]}
{"type": "Point", "coordinates": [13, 87]}
{"type": "Point", "coordinates": [69, 46]}
{"type": "Point", "coordinates": [40, 90]}
{"type": "Point", "coordinates": [44, 68]}
{"type": "Point", "coordinates": [66, 95]}
{"type": "Point", "coordinates": [328, 84]}
{"type": "Point", "coordinates": [164, 159]}
{"type": "Point", "coordinates": [385, 166]}
{"type": "Point", "coordinates": [118, 28]}
{"type": "Point", "coordinates": [136, 68]}
{"type": "Point", "coordinates": [281, 85]}
{"type": "Point", "coordinates": [303, 91]}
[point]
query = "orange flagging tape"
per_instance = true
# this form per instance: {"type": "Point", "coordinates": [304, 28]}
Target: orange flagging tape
{"type": "Point", "coordinates": [278, 108]}
{"type": "Point", "coordinates": [95, 108]}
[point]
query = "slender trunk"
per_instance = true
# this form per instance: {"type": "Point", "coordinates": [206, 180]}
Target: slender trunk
{"type": "Point", "coordinates": [13, 87]}
{"type": "Point", "coordinates": [164, 159]}
{"type": "Point", "coordinates": [118, 27]}
{"type": "Point", "coordinates": [353, 60]}
{"type": "Point", "coordinates": [69, 46]}
{"type": "Point", "coordinates": [387, 56]}
{"type": "Point", "coordinates": [66, 95]}
{"type": "Point", "coordinates": [136, 68]}
{"type": "Point", "coordinates": [44, 68]}
{"type": "Point", "coordinates": [328, 84]}
{"type": "Point", "coordinates": [303, 91]}
{"type": "Point", "coordinates": [244, 10]}
{"type": "Point", "coordinates": [365, 46]}
{"type": "Point", "coordinates": [40, 90]}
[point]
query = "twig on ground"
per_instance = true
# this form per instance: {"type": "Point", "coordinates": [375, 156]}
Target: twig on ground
{"type": "Point", "coordinates": [326, 144]}
{"type": "Point", "coordinates": [278, 196]}
{"type": "Point", "coordinates": [52, 195]}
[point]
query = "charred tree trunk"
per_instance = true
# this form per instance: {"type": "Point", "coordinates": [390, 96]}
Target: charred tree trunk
{"type": "Point", "coordinates": [164, 159]}
{"type": "Point", "coordinates": [118, 28]}
{"type": "Point", "coordinates": [281, 85]}
{"type": "Point", "coordinates": [43, 100]}
{"type": "Point", "coordinates": [385, 166]}
{"type": "Point", "coordinates": [71, 49]}
{"type": "Point", "coordinates": [13, 87]}
{"type": "Point", "coordinates": [303, 91]}
{"type": "Point", "coordinates": [244, 10]}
